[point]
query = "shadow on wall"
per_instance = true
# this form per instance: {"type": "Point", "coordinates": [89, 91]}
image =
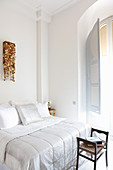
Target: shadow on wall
{"type": "Point", "coordinates": [1, 60]}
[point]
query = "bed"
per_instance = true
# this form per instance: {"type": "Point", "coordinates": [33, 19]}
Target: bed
{"type": "Point", "coordinates": [49, 144]}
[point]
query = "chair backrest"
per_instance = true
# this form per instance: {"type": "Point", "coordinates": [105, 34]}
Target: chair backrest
{"type": "Point", "coordinates": [106, 133]}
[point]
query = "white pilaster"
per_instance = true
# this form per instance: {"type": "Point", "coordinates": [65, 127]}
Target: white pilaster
{"type": "Point", "coordinates": [43, 19]}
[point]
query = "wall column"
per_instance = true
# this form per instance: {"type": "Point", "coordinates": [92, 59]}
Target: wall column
{"type": "Point", "coordinates": [43, 20]}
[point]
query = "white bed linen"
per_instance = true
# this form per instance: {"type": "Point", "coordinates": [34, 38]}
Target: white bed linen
{"type": "Point", "coordinates": [47, 145]}
{"type": "Point", "coordinates": [28, 113]}
{"type": "Point", "coordinates": [8, 117]}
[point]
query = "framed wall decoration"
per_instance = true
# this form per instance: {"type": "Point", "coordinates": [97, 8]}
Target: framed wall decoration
{"type": "Point", "coordinates": [9, 60]}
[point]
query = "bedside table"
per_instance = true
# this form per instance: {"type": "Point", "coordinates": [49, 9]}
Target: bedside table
{"type": "Point", "coordinates": [52, 112]}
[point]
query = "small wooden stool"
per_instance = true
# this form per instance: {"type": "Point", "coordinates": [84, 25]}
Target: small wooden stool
{"type": "Point", "coordinates": [94, 150]}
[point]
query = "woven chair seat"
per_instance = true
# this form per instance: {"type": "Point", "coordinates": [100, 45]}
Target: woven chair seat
{"type": "Point", "coordinates": [91, 149]}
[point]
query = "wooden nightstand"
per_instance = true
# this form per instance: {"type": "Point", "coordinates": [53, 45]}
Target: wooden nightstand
{"type": "Point", "coordinates": [52, 112]}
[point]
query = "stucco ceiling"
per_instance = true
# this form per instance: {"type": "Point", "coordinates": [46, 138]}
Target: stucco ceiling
{"type": "Point", "coordinates": [51, 6]}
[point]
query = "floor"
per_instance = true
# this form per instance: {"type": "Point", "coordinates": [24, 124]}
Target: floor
{"type": "Point", "coordinates": [101, 165]}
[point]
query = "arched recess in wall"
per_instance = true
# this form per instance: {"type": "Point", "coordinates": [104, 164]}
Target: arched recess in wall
{"type": "Point", "coordinates": [100, 9]}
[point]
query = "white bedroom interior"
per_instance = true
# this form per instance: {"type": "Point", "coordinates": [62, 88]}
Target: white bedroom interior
{"type": "Point", "coordinates": [51, 55]}
{"type": "Point", "coordinates": [59, 58]}
{"type": "Point", "coordinates": [56, 73]}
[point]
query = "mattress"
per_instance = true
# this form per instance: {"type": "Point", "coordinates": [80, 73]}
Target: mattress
{"type": "Point", "coordinates": [46, 145]}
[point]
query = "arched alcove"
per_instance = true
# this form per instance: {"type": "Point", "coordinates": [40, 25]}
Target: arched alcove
{"type": "Point", "coordinates": [100, 9]}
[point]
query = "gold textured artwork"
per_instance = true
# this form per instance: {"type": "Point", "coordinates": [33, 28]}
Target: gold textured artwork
{"type": "Point", "coordinates": [9, 60]}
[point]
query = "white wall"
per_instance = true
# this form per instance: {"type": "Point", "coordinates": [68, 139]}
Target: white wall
{"type": "Point", "coordinates": [18, 25]}
{"type": "Point", "coordinates": [63, 60]}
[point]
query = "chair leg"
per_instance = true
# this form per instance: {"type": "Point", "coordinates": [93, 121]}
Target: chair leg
{"type": "Point", "coordinates": [95, 162]}
{"type": "Point", "coordinates": [95, 165]}
{"type": "Point", "coordinates": [106, 155]}
{"type": "Point", "coordinates": [77, 159]}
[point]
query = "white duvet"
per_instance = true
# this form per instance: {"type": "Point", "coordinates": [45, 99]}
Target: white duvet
{"type": "Point", "coordinates": [46, 145]}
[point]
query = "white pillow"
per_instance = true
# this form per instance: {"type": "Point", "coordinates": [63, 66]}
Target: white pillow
{"type": "Point", "coordinates": [22, 102]}
{"type": "Point", "coordinates": [8, 117]}
{"type": "Point", "coordinates": [28, 113]}
{"type": "Point", "coordinates": [16, 103]}
{"type": "Point", "coordinates": [43, 109]}
{"type": "Point", "coordinates": [5, 105]}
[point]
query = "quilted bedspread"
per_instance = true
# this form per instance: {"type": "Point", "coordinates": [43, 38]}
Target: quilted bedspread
{"type": "Point", "coordinates": [46, 145]}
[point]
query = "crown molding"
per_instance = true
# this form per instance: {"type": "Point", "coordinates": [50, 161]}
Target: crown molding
{"type": "Point", "coordinates": [65, 6]}
{"type": "Point", "coordinates": [42, 8]}
{"type": "Point", "coordinates": [26, 4]}
{"type": "Point", "coordinates": [25, 9]}
{"type": "Point", "coordinates": [49, 13]}
{"type": "Point", "coordinates": [59, 9]}
{"type": "Point", "coordinates": [43, 15]}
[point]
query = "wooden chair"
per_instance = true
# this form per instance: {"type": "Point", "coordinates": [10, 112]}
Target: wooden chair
{"type": "Point", "coordinates": [92, 148]}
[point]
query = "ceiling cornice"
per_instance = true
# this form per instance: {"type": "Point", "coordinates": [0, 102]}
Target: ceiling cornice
{"type": "Point", "coordinates": [41, 8]}
{"type": "Point", "coordinates": [51, 11]}
{"type": "Point", "coordinates": [42, 15]}
{"type": "Point", "coordinates": [65, 6]}
{"type": "Point", "coordinates": [45, 15]}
